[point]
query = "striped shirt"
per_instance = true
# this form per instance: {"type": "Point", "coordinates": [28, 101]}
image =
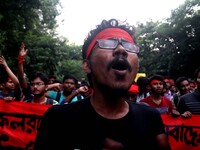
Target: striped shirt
{"type": "Point", "coordinates": [190, 102]}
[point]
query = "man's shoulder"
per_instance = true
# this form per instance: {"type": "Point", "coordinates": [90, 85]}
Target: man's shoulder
{"type": "Point", "coordinates": [71, 107]}
{"type": "Point", "coordinates": [190, 96]}
{"type": "Point", "coordinates": [142, 107]}
{"type": "Point", "coordinates": [186, 96]}
{"type": "Point", "coordinates": [146, 99]}
{"type": "Point", "coordinates": [146, 112]}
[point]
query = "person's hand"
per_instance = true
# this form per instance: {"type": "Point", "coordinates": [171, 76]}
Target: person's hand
{"type": "Point", "coordinates": [57, 86]}
{"type": "Point", "coordinates": [110, 144]}
{"type": "Point", "coordinates": [186, 114]}
{"type": "Point", "coordinates": [82, 89]}
{"type": "Point", "coordinates": [23, 51]}
{"type": "Point", "coordinates": [60, 87]}
{"type": "Point", "coordinates": [175, 113]}
{"type": "Point", "coordinates": [3, 61]}
{"type": "Point", "coordinates": [8, 99]}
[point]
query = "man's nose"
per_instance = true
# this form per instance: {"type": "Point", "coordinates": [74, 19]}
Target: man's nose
{"type": "Point", "coordinates": [120, 51]}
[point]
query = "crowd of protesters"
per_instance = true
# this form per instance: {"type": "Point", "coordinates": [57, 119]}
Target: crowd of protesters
{"type": "Point", "coordinates": [39, 88]}
{"type": "Point", "coordinates": [176, 97]}
{"type": "Point", "coordinates": [170, 96]}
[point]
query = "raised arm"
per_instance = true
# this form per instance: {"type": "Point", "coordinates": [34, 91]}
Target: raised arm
{"type": "Point", "coordinates": [80, 90]}
{"type": "Point", "coordinates": [12, 76]}
{"type": "Point", "coordinates": [21, 55]}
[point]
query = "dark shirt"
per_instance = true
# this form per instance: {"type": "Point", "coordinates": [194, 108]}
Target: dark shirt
{"type": "Point", "coordinates": [13, 94]}
{"type": "Point", "coordinates": [190, 102]}
{"type": "Point", "coordinates": [78, 126]}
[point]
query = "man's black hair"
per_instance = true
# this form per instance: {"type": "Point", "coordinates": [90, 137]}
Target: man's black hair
{"type": "Point", "coordinates": [57, 81]}
{"type": "Point", "coordinates": [156, 77]}
{"type": "Point", "coordinates": [39, 74]}
{"type": "Point", "coordinates": [143, 81]}
{"type": "Point", "coordinates": [71, 77]}
{"type": "Point", "coordinates": [52, 76]}
{"type": "Point", "coordinates": [85, 83]}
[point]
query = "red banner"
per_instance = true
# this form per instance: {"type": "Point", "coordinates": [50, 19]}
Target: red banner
{"type": "Point", "coordinates": [19, 123]}
{"type": "Point", "coordinates": [183, 133]}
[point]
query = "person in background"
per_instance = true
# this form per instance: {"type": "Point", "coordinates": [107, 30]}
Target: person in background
{"type": "Point", "coordinates": [182, 84]}
{"type": "Point", "coordinates": [26, 89]}
{"type": "Point", "coordinates": [38, 83]}
{"type": "Point", "coordinates": [11, 89]}
{"type": "Point", "coordinates": [56, 86]}
{"type": "Point", "coordinates": [190, 103]}
{"type": "Point", "coordinates": [105, 120]}
{"type": "Point", "coordinates": [157, 100]}
{"type": "Point", "coordinates": [193, 85]}
{"type": "Point", "coordinates": [166, 89]}
{"type": "Point", "coordinates": [133, 92]}
{"type": "Point", "coordinates": [51, 79]}
{"type": "Point", "coordinates": [80, 93]}
{"type": "Point", "coordinates": [89, 92]}
{"type": "Point", "coordinates": [172, 87]}
{"type": "Point", "coordinates": [69, 88]}
{"type": "Point", "coordinates": [143, 87]}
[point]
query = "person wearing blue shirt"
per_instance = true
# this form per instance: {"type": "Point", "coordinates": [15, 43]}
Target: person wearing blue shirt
{"type": "Point", "coordinates": [69, 86]}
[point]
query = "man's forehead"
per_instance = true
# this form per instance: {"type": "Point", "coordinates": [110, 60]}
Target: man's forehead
{"type": "Point", "coordinates": [69, 80]}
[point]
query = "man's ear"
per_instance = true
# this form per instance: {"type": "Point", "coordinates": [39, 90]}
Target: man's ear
{"type": "Point", "coordinates": [86, 66]}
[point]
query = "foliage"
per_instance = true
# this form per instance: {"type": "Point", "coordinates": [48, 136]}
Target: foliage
{"type": "Point", "coordinates": [19, 18]}
{"type": "Point", "coordinates": [172, 47]}
{"type": "Point", "coordinates": [34, 23]}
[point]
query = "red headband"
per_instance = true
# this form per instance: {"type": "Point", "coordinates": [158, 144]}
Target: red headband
{"type": "Point", "coordinates": [154, 81]}
{"type": "Point", "coordinates": [133, 89]}
{"type": "Point", "coordinates": [109, 33]}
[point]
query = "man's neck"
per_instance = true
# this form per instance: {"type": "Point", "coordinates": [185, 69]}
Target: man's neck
{"type": "Point", "coordinates": [39, 100]}
{"type": "Point", "coordinates": [66, 93]}
{"type": "Point", "coordinates": [110, 108]}
{"type": "Point", "coordinates": [156, 97]}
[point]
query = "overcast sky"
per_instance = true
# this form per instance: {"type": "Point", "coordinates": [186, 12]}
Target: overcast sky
{"type": "Point", "coordinates": [80, 16]}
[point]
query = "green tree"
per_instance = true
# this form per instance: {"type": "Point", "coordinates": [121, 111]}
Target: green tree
{"type": "Point", "coordinates": [19, 18]}
{"type": "Point", "coordinates": [172, 47]}
{"type": "Point", "coordinates": [185, 30]}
